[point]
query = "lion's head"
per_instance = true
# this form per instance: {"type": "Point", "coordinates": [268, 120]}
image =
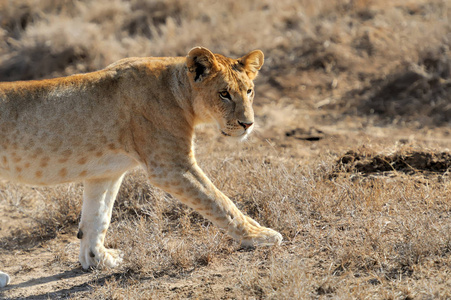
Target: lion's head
{"type": "Point", "coordinates": [224, 89]}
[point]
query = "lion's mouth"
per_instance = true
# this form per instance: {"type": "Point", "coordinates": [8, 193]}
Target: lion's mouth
{"type": "Point", "coordinates": [243, 134]}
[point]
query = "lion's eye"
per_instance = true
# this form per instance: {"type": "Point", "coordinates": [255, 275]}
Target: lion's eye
{"type": "Point", "coordinates": [249, 91]}
{"type": "Point", "coordinates": [225, 95]}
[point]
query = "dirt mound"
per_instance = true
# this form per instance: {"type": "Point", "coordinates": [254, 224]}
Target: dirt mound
{"type": "Point", "coordinates": [409, 163]}
{"type": "Point", "coordinates": [419, 93]}
{"type": "Point", "coordinates": [312, 134]}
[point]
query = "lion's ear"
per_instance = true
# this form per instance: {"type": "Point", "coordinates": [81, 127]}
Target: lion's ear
{"type": "Point", "coordinates": [201, 62]}
{"type": "Point", "coordinates": [252, 63]}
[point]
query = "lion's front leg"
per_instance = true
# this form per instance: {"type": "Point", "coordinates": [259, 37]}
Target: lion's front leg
{"type": "Point", "coordinates": [98, 200]}
{"type": "Point", "coordinates": [193, 188]}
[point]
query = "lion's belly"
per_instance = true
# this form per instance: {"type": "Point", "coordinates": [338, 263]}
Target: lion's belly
{"type": "Point", "coordinates": [29, 168]}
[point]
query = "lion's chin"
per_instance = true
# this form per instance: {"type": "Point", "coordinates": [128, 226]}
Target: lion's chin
{"type": "Point", "coordinates": [242, 135]}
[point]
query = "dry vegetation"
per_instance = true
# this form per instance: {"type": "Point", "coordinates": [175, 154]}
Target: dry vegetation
{"type": "Point", "coordinates": [350, 161]}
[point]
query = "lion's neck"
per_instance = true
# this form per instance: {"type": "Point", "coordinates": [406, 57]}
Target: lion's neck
{"type": "Point", "coordinates": [181, 89]}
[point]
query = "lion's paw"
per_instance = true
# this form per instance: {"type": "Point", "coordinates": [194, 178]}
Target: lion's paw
{"type": "Point", "coordinates": [4, 279]}
{"type": "Point", "coordinates": [112, 257]}
{"type": "Point", "coordinates": [260, 236]}
{"type": "Point", "coordinates": [100, 257]}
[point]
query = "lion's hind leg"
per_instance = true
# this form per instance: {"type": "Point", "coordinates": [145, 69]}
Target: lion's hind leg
{"type": "Point", "coordinates": [98, 200]}
{"type": "Point", "coordinates": [4, 279]}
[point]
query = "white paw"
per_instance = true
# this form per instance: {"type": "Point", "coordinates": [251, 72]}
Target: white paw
{"type": "Point", "coordinates": [112, 258]}
{"type": "Point", "coordinates": [4, 279]}
{"type": "Point", "coordinates": [100, 257]}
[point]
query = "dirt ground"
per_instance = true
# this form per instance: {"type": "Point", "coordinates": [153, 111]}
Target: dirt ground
{"type": "Point", "coordinates": [46, 267]}
{"type": "Point", "coordinates": [349, 160]}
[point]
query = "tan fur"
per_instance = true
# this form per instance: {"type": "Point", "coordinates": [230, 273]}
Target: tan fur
{"type": "Point", "coordinates": [137, 112]}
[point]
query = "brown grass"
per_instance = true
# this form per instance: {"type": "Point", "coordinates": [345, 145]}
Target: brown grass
{"type": "Point", "coordinates": [350, 160]}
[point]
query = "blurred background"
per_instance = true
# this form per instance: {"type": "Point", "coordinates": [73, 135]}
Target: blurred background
{"type": "Point", "coordinates": [387, 60]}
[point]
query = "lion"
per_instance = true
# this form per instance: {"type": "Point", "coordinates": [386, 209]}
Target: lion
{"type": "Point", "coordinates": [94, 127]}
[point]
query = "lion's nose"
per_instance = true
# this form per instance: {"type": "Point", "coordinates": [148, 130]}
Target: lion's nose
{"type": "Point", "coordinates": [245, 125]}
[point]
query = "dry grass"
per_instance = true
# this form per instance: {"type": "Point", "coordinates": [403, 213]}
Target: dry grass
{"type": "Point", "coordinates": [364, 209]}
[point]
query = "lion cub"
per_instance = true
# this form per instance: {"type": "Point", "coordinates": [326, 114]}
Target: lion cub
{"type": "Point", "coordinates": [95, 127]}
